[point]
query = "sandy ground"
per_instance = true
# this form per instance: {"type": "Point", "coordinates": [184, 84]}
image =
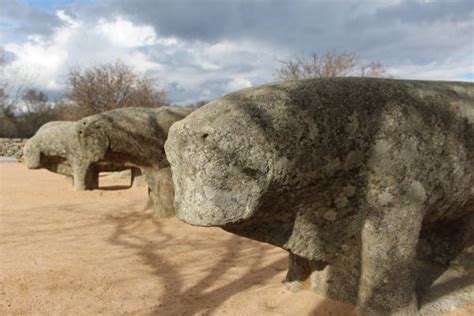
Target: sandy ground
{"type": "Point", "coordinates": [64, 252]}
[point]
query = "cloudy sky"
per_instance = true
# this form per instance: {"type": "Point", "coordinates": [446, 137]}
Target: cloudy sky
{"type": "Point", "coordinates": [201, 49]}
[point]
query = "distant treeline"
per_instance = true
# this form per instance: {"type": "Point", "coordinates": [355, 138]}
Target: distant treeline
{"type": "Point", "coordinates": [23, 109]}
{"type": "Point", "coordinates": [101, 88]}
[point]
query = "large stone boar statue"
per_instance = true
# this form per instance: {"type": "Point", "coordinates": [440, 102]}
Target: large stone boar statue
{"type": "Point", "coordinates": [347, 174]}
{"type": "Point", "coordinates": [136, 137]}
{"type": "Point", "coordinates": [55, 147]}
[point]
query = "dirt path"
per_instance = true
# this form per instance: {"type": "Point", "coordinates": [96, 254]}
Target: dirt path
{"type": "Point", "coordinates": [64, 252]}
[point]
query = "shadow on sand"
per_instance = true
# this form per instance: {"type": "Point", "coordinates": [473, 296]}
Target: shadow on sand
{"type": "Point", "coordinates": [203, 296]}
{"type": "Point", "coordinates": [114, 187]}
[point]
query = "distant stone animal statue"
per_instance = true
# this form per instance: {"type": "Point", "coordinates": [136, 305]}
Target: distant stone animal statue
{"type": "Point", "coordinates": [136, 137]}
{"type": "Point", "coordinates": [55, 147]}
{"type": "Point", "coordinates": [49, 141]}
{"type": "Point", "coordinates": [347, 174]}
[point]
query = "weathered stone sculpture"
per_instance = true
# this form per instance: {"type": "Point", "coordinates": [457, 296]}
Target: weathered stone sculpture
{"type": "Point", "coordinates": [136, 137]}
{"type": "Point", "coordinates": [55, 147]}
{"type": "Point", "coordinates": [346, 174]}
{"type": "Point", "coordinates": [49, 141]}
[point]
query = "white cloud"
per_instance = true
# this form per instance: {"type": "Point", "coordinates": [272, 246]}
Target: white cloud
{"type": "Point", "coordinates": [203, 63]}
{"type": "Point", "coordinates": [125, 34]}
{"type": "Point", "coordinates": [189, 70]}
{"type": "Point", "coordinates": [42, 56]}
{"type": "Point", "coordinates": [237, 84]}
{"type": "Point", "coordinates": [76, 43]}
{"type": "Point", "coordinates": [63, 16]}
{"type": "Point", "coordinates": [448, 70]}
{"type": "Point", "coordinates": [202, 71]}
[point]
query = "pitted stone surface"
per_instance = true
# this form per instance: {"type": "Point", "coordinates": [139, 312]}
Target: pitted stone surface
{"type": "Point", "coordinates": [346, 174]}
{"type": "Point", "coordinates": [134, 137]}
{"type": "Point", "coordinates": [55, 147]}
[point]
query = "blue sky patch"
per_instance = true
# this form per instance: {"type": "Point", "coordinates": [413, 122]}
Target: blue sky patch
{"type": "Point", "coordinates": [53, 5]}
{"type": "Point", "coordinates": [468, 76]}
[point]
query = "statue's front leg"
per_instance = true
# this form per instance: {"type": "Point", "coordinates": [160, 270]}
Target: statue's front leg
{"type": "Point", "coordinates": [299, 273]}
{"type": "Point", "coordinates": [390, 235]}
{"type": "Point", "coordinates": [337, 279]}
{"type": "Point", "coordinates": [161, 192]}
{"type": "Point", "coordinates": [79, 177]}
{"type": "Point", "coordinates": [85, 177]}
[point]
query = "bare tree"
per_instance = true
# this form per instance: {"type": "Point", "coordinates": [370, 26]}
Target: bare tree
{"type": "Point", "coordinates": [37, 110]}
{"type": "Point", "coordinates": [331, 64]}
{"type": "Point", "coordinates": [35, 101]}
{"type": "Point", "coordinates": [22, 109]}
{"type": "Point", "coordinates": [109, 86]}
{"type": "Point", "coordinates": [375, 70]}
{"type": "Point", "coordinates": [68, 111]}
{"type": "Point", "coordinates": [10, 94]}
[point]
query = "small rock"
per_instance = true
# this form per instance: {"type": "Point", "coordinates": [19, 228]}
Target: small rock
{"type": "Point", "coordinates": [341, 201]}
{"type": "Point", "coordinates": [330, 215]}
